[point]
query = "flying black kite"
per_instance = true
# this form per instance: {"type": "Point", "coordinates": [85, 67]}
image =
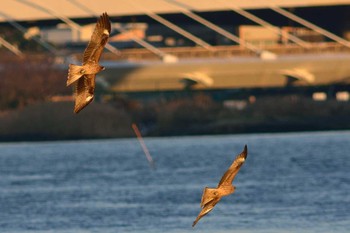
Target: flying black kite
{"type": "Point", "coordinates": [84, 76]}
{"type": "Point", "coordinates": [211, 196]}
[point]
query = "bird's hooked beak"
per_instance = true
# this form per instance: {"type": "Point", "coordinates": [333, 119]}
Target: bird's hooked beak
{"type": "Point", "coordinates": [103, 68]}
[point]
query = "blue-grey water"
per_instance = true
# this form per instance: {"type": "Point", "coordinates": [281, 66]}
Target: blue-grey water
{"type": "Point", "coordinates": [291, 182]}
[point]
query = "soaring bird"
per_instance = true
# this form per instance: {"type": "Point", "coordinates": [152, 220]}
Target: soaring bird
{"type": "Point", "coordinates": [84, 76]}
{"type": "Point", "coordinates": [211, 196]}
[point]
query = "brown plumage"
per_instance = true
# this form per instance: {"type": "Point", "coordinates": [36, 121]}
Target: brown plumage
{"type": "Point", "coordinates": [211, 196]}
{"type": "Point", "coordinates": [84, 76]}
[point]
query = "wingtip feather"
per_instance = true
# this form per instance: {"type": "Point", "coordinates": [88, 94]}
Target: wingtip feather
{"type": "Point", "coordinates": [81, 104]}
{"type": "Point", "coordinates": [105, 22]}
{"type": "Point", "coordinates": [245, 152]}
{"type": "Point", "coordinates": [194, 223]}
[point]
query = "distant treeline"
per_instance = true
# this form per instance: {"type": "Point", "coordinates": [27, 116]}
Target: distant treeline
{"type": "Point", "coordinates": [56, 121]}
{"type": "Point", "coordinates": [198, 115]}
{"type": "Point", "coordinates": [201, 115]}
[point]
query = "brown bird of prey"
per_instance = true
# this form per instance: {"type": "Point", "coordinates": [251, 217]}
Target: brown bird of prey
{"type": "Point", "coordinates": [84, 76]}
{"type": "Point", "coordinates": [211, 196]}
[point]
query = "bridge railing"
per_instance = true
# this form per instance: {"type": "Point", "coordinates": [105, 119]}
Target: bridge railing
{"type": "Point", "coordinates": [227, 51]}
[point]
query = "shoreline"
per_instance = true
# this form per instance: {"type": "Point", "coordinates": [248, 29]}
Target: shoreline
{"type": "Point", "coordinates": [183, 135]}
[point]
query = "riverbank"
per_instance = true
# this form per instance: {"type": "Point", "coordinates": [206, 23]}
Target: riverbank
{"type": "Point", "coordinates": [196, 116]}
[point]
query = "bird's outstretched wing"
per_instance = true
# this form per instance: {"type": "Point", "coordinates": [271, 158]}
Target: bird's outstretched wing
{"type": "Point", "coordinates": [206, 209]}
{"type": "Point", "coordinates": [98, 40]}
{"type": "Point", "coordinates": [230, 174]}
{"type": "Point", "coordinates": [84, 91]}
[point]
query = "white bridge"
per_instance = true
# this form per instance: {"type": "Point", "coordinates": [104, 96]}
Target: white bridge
{"type": "Point", "coordinates": [204, 66]}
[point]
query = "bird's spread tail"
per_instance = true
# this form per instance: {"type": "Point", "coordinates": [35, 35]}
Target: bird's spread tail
{"type": "Point", "coordinates": [74, 73]}
{"type": "Point", "coordinates": [208, 195]}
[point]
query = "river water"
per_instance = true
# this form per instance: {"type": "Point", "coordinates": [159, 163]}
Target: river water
{"type": "Point", "coordinates": [291, 182]}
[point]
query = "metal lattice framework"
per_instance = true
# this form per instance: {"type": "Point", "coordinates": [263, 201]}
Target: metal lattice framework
{"type": "Point", "coordinates": [64, 10]}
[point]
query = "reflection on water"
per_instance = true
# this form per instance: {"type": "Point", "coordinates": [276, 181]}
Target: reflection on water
{"type": "Point", "coordinates": [295, 182]}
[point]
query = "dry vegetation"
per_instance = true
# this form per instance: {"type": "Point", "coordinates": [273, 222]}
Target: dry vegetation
{"type": "Point", "coordinates": [56, 121]}
{"type": "Point", "coordinates": [29, 80]}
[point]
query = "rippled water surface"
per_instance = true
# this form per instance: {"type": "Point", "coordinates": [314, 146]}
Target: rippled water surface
{"type": "Point", "coordinates": [295, 182]}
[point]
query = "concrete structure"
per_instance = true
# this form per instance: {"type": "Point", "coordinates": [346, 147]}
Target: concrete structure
{"type": "Point", "coordinates": [232, 73]}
